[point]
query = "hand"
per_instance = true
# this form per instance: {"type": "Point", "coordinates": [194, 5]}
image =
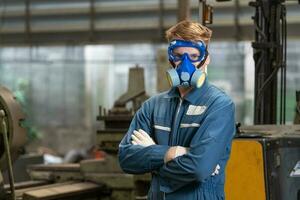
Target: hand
{"type": "Point", "coordinates": [174, 152]}
{"type": "Point", "coordinates": [216, 172]}
{"type": "Point", "coordinates": [141, 138]}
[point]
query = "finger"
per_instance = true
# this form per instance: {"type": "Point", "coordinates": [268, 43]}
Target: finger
{"type": "Point", "coordinates": [144, 133]}
{"type": "Point", "coordinates": [146, 136]}
{"type": "Point", "coordinates": [133, 142]}
{"type": "Point", "coordinates": [139, 135]}
{"type": "Point", "coordinates": [134, 138]}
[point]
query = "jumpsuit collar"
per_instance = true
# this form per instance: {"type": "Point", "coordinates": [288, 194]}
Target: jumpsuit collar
{"type": "Point", "coordinates": [193, 96]}
{"type": "Point", "coordinates": [196, 94]}
{"type": "Point", "coordinates": [172, 93]}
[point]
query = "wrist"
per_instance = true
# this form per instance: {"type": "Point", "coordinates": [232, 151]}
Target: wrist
{"type": "Point", "coordinates": [170, 154]}
{"type": "Point", "coordinates": [175, 152]}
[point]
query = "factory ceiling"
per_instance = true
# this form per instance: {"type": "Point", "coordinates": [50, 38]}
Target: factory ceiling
{"type": "Point", "coordinates": [47, 22]}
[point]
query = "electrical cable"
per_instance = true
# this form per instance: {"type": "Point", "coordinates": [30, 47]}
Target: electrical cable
{"type": "Point", "coordinates": [281, 71]}
{"type": "Point", "coordinates": [284, 62]}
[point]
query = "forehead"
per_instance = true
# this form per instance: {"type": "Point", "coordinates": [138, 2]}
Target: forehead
{"type": "Point", "coordinates": [189, 50]}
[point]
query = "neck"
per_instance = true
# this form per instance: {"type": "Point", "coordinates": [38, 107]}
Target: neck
{"type": "Point", "coordinates": [184, 90]}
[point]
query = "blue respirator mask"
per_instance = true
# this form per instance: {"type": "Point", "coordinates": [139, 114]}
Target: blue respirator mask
{"type": "Point", "coordinates": [186, 74]}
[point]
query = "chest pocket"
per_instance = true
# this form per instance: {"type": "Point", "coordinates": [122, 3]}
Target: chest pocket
{"type": "Point", "coordinates": [188, 127]}
{"type": "Point", "coordinates": [162, 130]}
{"type": "Point", "coordinates": [191, 121]}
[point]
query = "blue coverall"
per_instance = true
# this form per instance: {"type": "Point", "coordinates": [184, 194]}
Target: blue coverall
{"type": "Point", "coordinates": [204, 122]}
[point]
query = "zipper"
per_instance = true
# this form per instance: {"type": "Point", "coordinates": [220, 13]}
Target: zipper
{"type": "Point", "coordinates": [172, 132]}
{"type": "Point", "coordinates": [175, 120]}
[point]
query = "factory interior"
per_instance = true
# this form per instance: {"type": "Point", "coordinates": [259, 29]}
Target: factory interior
{"type": "Point", "coordinates": [74, 73]}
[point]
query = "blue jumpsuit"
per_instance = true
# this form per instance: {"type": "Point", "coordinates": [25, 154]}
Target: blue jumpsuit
{"type": "Point", "coordinates": [204, 122]}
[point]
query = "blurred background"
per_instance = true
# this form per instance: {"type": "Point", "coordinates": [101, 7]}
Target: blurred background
{"type": "Point", "coordinates": [65, 67]}
{"type": "Point", "coordinates": [63, 59]}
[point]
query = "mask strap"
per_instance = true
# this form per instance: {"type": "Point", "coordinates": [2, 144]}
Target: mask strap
{"type": "Point", "coordinates": [172, 63]}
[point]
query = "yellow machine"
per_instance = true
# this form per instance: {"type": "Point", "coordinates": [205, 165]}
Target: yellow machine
{"type": "Point", "coordinates": [264, 164]}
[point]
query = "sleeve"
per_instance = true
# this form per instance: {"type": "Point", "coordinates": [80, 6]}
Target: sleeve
{"type": "Point", "coordinates": [207, 147]}
{"type": "Point", "coordinates": [136, 159]}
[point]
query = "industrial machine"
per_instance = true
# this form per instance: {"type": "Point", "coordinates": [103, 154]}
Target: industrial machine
{"type": "Point", "coordinates": [264, 163]}
{"type": "Point", "coordinates": [12, 135]}
{"type": "Point", "coordinates": [117, 120]}
{"type": "Point", "coordinates": [99, 178]}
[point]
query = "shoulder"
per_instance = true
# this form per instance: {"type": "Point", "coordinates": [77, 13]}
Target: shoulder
{"type": "Point", "coordinates": [157, 98]}
{"type": "Point", "coordinates": [219, 97]}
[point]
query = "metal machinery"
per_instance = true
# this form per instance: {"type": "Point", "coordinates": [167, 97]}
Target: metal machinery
{"type": "Point", "coordinates": [95, 178]}
{"type": "Point", "coordinates": [265, 159]}
{"type": "Point", "coordinates": [270, 57]}
{"type": "Point", "coordinates": [13, 136]}
{"type": "Point", "coordinates": [117, 121]}
{"type": "Point", "coordinates": [264, 163]}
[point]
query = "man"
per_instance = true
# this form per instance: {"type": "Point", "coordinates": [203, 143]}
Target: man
{"type": "Point", "coordinates": [183, 136]}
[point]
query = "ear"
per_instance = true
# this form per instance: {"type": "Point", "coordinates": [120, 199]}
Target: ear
{"type": "Point", "coordinates": [207, 61]}
{"type": "Point", "coordinates": [204, 66]}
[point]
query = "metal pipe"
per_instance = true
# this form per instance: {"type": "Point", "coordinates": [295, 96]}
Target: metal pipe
{"type": "Point", "coordinates": [183, 12]}
{"type": "Point", "coordinates": [3, 130]}
{"type": "Point", "coordinates": [202, 11]}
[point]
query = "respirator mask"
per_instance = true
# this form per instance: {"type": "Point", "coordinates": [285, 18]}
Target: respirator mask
{"type": "Point", "coordinates": [186, 74]}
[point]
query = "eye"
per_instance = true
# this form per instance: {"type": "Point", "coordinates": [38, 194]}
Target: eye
{"type": "Point", "coordinates": [194, 56]}
{"type": "Point", "coordinates": [177, 56]}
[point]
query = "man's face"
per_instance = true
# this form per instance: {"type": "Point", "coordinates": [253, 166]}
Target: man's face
{"type": "Point", "coordinates": [185, 56]}
{"type": "Point", "coordinates": [193, 53]}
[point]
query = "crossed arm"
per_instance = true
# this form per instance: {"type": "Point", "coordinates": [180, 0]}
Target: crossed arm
{"type": "Point", "coordinates": [178, 166]}
{"type": "Point", "coordinates": [140, 137]}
